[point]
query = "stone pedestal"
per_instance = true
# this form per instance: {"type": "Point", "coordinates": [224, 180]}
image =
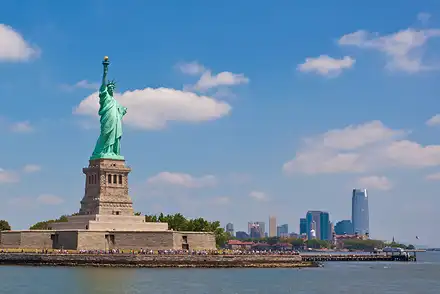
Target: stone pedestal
{"type": "Point", "coordinates": [106, 205]}
{"type": "Point", "coordinates": [106, 188]}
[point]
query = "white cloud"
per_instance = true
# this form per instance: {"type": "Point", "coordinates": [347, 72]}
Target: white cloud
{"type": "Point", "coordinates": [49, 199]}
{"type": "Point", "coordinates": [13, 47]}
{"type": "Point", "coordinates": [326, 65]}
{"type": "Point", "coordinates": [258, 196]}
{"type": "Point", "coordinates": [22, 127]}
{"type": "Point", "coordinates": [7, 177]}
{"type": "Point", "coordinates": [83, 84]}
{"type": "Point", "coordinates": [355, 136]}
{"type": "Point", "coordinates": [434, 121]}
{"type": "Point", "coordinates": [208, 81]}
{"type": "Point", "coordinates": [375, 183]}
{"type": "Point", "coordinates": [423, 17]}
{"type": "Point", "coordinates": [404, 49]}
{"type": "Point", "coordinates": [31, 168]}
{"type": "Point", "coordinates": [154, 108]}
{"type": "Point", "coordinates": [191, 68]}
{"type": "Point", "coordinates": [433, 177]}
{"type": "Point", "coordinates": [184, 180]}
{"type": "Point", "coordinates": [362, 148]}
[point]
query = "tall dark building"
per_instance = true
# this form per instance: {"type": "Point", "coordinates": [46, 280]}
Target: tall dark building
{"type": "Point", "coordinates": [344, 227]}
{"type": "Point", "coordinates": [302, 226]}
{"type": "Point", "coordinates": [325, 233]}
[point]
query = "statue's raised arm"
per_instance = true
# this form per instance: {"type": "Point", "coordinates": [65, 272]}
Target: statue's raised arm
{"type": "Point", "coordinates": [105, 64]}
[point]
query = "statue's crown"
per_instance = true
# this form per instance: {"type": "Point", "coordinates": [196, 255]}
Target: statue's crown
{"type": "Point", "coordinates": [111, 83]}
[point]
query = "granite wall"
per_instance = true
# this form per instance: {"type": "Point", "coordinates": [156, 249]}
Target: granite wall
{"type": "Point", "coordinates": [194, 240]}
{"type": "Point", "coordinates": [101, 240]}
{"type": "Point", "coordinates": [36, 239]}
{"type": "Point", "coordinates": [10, 239]}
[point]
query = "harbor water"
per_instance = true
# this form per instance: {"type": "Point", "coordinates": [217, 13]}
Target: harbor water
{"type": "Point", "coordinates": [335, 277]}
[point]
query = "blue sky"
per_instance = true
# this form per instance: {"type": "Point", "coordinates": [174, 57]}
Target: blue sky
{"type": "Point", "coordinates": [236, 110]}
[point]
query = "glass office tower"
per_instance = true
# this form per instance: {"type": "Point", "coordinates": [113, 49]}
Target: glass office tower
{"type": "Point", "coordinates": [359, 212]}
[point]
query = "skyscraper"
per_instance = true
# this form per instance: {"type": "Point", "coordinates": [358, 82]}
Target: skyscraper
{"type": "Point", "coordinates": [272, 226]}
{"type": "Point", "coordinates": [283, 231]}
{"type": "Point", "coordinates": [359, 212]}
{"type": "Point", "coordinates": [230, 229]}
{"type": "Point", "coordinates": [313, 217]}
{"type": "Point", "coordinates": [262, 228]}
{"type": "Point", "coordinates": [325, 233]}
{"type": "Point", "coordinates": [319, 222]}
{"type": "Point", "coordinates": [344, 227]}
{"type": "Point", "coordinates": [302, 226]}
{"type": "Point", "coordinates": [250, 225]}
{"type": "Point", "coordinates": [255, 232]}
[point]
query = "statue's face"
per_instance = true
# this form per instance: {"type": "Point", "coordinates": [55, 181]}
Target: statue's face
{"type": "Point", "coordinates": [110, 89]}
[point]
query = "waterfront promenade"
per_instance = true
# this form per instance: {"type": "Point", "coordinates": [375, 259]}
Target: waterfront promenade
{"type": "Point", "coordinates": [155, 260]}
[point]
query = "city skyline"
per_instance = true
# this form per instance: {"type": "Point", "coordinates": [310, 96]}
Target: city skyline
{"type": "Point", "coordinates": [271, 112]}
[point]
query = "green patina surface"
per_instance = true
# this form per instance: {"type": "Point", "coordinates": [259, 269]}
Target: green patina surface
{"type": "Point", "coordinates": [111, 113]}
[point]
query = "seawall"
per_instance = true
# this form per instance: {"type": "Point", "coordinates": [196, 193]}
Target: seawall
{"type": "Point", "coordinates": [155, 261]}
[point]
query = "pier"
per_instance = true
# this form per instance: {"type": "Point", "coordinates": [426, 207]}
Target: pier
{"type": "Point", "coordinates": [410, 256]}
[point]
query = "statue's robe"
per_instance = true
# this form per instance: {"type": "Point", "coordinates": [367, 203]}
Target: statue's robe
{"type": "Point", "coordinates": [111, 113]}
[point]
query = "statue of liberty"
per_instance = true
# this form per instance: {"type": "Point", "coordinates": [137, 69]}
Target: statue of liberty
{"type": "Point", "coordinates": [111, 113]}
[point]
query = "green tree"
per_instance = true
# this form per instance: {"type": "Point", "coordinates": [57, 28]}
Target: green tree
{"type": "Point", "coordinates": [367, 245]}
{"type": "Point", "coordinates": [4, 225]}
{"type": "Point", "coordinates": [151, 218]}
{"type": "Point", "coordinates": [317, 244]}
{"type": "Point", "coordinates": [178, 222]}
{"type": "Point", "coordinates": [272, 240]}
{"type": "Point", "coordinates": [297, 243]}
{"type": "Point", "coordinates": [396, 245]}
{"type": "Point", "coordinates": [138, 213]}
{"type": "Point", "coordinates": [45, 225]}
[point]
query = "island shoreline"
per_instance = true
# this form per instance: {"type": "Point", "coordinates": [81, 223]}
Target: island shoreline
{"type": "Point", "coordinates": [155, 261]}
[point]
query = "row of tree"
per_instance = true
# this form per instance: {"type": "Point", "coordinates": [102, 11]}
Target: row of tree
{"type": "Point", "coordinates": [178, 222]}
{"type": "Point", "coordinates": [44, 225]}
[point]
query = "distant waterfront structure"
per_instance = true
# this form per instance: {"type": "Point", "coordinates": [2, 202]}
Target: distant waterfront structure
{"type": "Point", "coordinates": [272, 226]}
{"type": "Point", "coordinates": [302, 226]}
{"type": "Point", "coordinates": [230, 229]}
{"type": "Point", "coordinates": [283, 231]}
{"type": "Point", "coordinates": [344, 227]}
{"type": "Point", "coordinates": [359, 212]}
